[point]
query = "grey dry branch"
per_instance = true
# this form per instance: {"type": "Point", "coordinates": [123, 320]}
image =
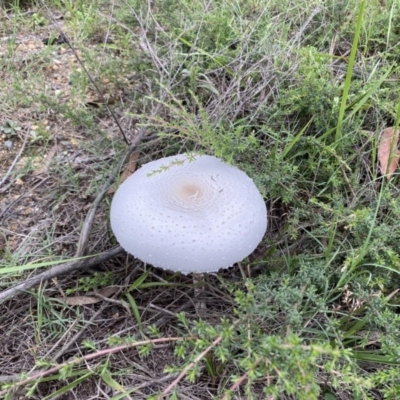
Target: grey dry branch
{"type": "Point", "coordinates": [101, 353]}
{"type": "Point", "coordinates": [218, 75]}
{"type": "Point", "coordinates": [72, 266]}
{"type": "Point", "coordinates": [78, 335]}
{"type": "Point", "coordinates": [4, 212]}
{"type": "Point", "coordinates": [59, 270]}
{"type": "Point", "coordinates": [17, 157]}
{"type": "Point", "coordinates": [83, 239]}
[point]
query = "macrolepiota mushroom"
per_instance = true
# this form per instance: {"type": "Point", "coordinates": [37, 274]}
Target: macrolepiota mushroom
{"type": "Point", "coordinates": [189, 213]}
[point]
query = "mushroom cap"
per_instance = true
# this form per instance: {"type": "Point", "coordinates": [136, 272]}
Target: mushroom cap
{"type": "Point", "coordinates": [189, 213]}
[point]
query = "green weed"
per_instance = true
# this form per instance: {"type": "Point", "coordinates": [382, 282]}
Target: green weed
{"type": "Point", "coordinates": [295, 94]}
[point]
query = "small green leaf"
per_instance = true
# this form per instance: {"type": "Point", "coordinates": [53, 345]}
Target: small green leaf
{"type": "Point", "coordinates": [135, 311]}
{"type": "Point", "coordinates": [137, 284]}
{"type": "Point", "coordinates": [112, 383]}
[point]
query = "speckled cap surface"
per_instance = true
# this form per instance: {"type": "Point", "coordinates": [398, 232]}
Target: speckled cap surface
{"type": "Point", "coordinates": [189, 214]}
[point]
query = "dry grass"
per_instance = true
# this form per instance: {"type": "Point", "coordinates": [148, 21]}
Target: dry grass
{"type": "Point", "coordinates": [54, 203]}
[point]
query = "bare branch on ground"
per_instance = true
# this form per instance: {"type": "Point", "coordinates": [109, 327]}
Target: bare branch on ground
{"type": "Point", "coordinates": [59, 270]}
{"type": "Point", "coordinates": [101, 353]}
{"type": "Point", "coordinates": [17, 157]}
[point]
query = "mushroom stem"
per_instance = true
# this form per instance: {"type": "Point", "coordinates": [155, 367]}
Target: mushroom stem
{"type": "Point", "coordinates": [198, 283]}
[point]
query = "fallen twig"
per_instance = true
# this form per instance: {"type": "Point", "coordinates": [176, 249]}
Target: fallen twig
{"type": "Point", "coordinates": [4, 212]}
{"type": "Point", "coordinates": [69, 267]}
{"type": "Point", "coordinates": [59, 270]}
{"type": "Point", "coordinates": [78, 335]}
{"type": "Point", "coordinates": [16, 157]}
{"type": "Point", "coordinates": [87, 225]}
{"type": "Point", "coordinates": [241, 379]}
{"type": "Point", "coordinates": [187, 368]}
{"type": "Point", "coordinates": [88, 357]}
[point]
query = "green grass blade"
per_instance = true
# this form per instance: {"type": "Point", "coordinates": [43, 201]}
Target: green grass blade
{"type": "Point", "coordinates": [138, 283]}
{"type": "Point", "coordinates": [296, 139]}
{"type": "Point", "coordinates": [357, 103]}
{"type": "Point", "coordinates": [135, 311]}
{"type": "Point", "coordinates": [68, 387]}
{"type": "Point", "coordinates": [20, 268]}
{"type": "Point", "coordinates": [112, 383]}
{"type": "Point", "coordinates": [349, 73]}
{"type": "Point", "coordinates": [374, 358]}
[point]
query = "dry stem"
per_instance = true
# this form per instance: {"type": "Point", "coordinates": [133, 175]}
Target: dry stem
{"type": "Point", "coordinates": [92, 356]}
{"type": "Point", "coordinates": [59, 270]}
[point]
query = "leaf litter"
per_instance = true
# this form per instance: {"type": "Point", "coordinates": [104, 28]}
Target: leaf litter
{"type": "Point", "coordinates": [388, 153]}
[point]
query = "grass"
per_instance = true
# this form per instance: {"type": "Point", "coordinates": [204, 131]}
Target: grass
{"type": "Point", "coordinates": [293, 93]}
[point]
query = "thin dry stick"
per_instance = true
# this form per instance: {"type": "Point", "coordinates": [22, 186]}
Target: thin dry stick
{"type": "Point", "coordinates": [241, 379]}
{"type": "Point", "coordinates": [63, 337]}
{"type": "Point", "coordinates": [299, 34]}
{"type": "Point", "coordinates": [84, 236]}
{"type": "Point", "coordinates": [100, 353]}
{"type": "Point", "coordinates": [20, 197]}
{"type": "Point", "coordinates": [69, 267]}
{"type": "Point", "coordinates": [16, 157]}
{"type": "Point", "coordinates": [186, 369]}
{"type": "Point", "coordinates": [59, 270]}
{"type": "Point", "coordinates": [76, 337]}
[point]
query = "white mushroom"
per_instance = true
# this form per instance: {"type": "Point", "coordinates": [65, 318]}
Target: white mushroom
{"type": "Point", "coordinates": [189, 214]}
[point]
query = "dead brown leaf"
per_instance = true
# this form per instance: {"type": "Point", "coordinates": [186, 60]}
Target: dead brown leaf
{"type": "Point", "coordinates": [81, 300]}
{"type": "Point", "coordinates": [130, 168]}
{"type": "Point", "coordinates": [87, 299]}
{"type": "Point", "coordinates": [388, 142]}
